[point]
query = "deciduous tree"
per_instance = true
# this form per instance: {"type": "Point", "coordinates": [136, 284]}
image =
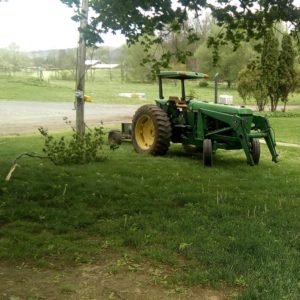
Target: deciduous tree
{"type": "Point", "coordinates": [230, 62]}
{"type": "Point", "coordinates": [250, 84]}
{"type": "Point", "coordinates": [240, 20]}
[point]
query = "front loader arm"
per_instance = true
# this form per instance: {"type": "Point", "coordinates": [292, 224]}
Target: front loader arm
{"type": "Point", "coordinates": [262, 125]}
{"type": "Point", "coordinates": [239, 126]}
{"type": "Point", "coordinates": [262, 129]}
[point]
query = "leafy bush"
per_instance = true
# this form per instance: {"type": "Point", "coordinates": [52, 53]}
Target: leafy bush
{"type": "Point", "coordinates": [76, 149]}
{"type": "Point", "coordinates": [249, 85]}
{"type": "Point", "coordinates": [203, 83]}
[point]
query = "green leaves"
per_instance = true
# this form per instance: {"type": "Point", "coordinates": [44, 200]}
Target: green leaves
{"type": "Point", "coordinates": [286, 72]}
{"type": "Point", "coordinates": [75, 150]}
{"type": "Point", "coordinates": [245, 20]}
{"type": "Point", "coordinates": [71, 3]}
{"type": "Point", "coordinates": [272, 77]}
{"type": "Point", "coordinates": [269, 62]}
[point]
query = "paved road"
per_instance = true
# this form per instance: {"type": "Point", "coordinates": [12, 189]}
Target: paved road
{"type": "Point", "coordinates": [18, 117]}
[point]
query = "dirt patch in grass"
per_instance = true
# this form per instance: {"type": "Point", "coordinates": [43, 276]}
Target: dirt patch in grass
{"type": "Point", "coordinates": [113, 278]}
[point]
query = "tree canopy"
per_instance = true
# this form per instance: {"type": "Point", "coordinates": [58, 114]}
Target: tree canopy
{"type": "Point", "coordinates": [244, 20]}
{"type": "Point", "coordinates": [240, 20]}
{"type": "Point", "coordinates": [134, 17]}
{"type": "Point", "coordinates": [229, 64]}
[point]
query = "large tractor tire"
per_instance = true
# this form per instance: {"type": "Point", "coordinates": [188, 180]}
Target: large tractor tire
{"type": "Point", "coordinates": [151, 130]}
{"type": "Point", "coordinates": [255, 150]}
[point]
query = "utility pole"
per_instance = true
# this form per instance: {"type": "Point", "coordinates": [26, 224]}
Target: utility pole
{"type": "Point", "coordinates": [80, 74]}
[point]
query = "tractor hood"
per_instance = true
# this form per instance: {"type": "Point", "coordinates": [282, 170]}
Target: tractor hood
{"type": "Point", "coordinates": [236, 110]}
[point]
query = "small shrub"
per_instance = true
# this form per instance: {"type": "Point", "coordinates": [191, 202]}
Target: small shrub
{"type": "Point", "coordinates": [203, 83]}
{"type": "Point", "coordinates": [76, 149]}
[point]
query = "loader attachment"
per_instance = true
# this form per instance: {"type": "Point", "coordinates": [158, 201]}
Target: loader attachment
{"type": "Point", "coordinates": [245, 127]}
{"type": "Point", "coordinates": [264, 130]}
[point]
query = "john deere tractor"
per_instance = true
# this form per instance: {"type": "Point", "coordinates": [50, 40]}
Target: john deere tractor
{"type": "Point", "coordinates": [198, 125]}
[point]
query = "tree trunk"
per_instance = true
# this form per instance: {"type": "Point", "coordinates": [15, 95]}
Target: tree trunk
{"type": "Point", "coordinates": [273, 106]}
{"type": "Point", "coordinates": [284, 105]}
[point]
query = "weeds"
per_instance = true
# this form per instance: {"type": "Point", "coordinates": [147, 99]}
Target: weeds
{"type": "Point", "coordinates": [76, 149]}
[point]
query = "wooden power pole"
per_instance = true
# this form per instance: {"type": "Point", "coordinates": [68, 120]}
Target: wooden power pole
{"type": "Point", "coordinates": [80, 78]}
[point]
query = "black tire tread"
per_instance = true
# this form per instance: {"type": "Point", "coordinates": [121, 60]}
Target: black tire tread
{"type": "Point", "coordinates": [255, 150]}
{"type": "Point", "coordinates": [162, 126]}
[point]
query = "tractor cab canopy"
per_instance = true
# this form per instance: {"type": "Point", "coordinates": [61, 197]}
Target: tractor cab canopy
{"type": "Point", "coordinates": [180, 75]}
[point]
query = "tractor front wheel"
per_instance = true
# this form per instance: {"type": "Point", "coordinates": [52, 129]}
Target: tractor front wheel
{"type": "Point", "coordinates": [207, 153]}
{"type": "Point", "coordinates": [255, 150]}
{"type": "Point", "coordinates": [151, 130]}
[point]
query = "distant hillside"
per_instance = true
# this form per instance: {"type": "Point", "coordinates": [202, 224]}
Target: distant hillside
{"type": "Point", "coordinates": [104, 54]}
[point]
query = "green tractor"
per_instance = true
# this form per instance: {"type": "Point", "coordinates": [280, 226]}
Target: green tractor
{"type": "Point", "coordinates": [198, 125]}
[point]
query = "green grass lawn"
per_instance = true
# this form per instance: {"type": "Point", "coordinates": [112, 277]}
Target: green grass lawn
{"type": "Point", "coordinates": [231, 225]}
{"type": "Point", "coordinates": [104, 90]}
{"type": "Point", "coordinates": [22, 88]}
{"type": "Point", "coordinates": [287, 132]}
{"type": "Point", "coordinates": [286, 125]}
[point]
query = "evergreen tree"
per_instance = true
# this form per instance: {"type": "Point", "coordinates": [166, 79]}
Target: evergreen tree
{"type": "Point", "coordinates": [269, 67]}
{"type": "Point", "coordinates": [286, 71]}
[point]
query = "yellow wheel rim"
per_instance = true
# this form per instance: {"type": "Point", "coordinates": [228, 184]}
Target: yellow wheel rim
{"type": "Point", "coordinates": [144, 132]}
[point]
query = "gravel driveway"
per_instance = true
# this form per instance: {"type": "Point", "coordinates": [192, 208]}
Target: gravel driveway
{"type": "Point", "coordinates": [18, 117]}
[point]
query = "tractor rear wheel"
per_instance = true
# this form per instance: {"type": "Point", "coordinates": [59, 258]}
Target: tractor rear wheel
{"type": "Point", "coordinates": [255, 150]}
{"type": "Point", "coordinates": [207, 153]}
{"type": "Point", "coordinates": [151, 130]}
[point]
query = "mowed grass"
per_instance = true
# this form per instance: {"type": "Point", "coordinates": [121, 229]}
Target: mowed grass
{"type": "Point", "coordinates": [231, 225]}
{"type": "Point", "coordinates": [286, 126]}
{"type": "Point", "coordinates": [33, 89]}
{"type": "Point", "coordinates": [104, 90]}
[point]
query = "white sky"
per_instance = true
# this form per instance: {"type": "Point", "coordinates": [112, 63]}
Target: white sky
{"type": "Point", "coordinates": [41, 25]}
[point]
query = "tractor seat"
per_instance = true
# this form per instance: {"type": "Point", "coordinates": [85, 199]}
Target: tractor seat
{"type": "Point", "coordinates": [174, 98]}
{"type": "Point", "coordinates": [179, 102]}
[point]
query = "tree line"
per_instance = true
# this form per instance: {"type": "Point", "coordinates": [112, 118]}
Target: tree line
{"type": "Point", "coordinates": [266, 69]}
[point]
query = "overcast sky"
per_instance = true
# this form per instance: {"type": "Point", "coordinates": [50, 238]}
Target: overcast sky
{"type": "Point", "coordinates": [42, 25]}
